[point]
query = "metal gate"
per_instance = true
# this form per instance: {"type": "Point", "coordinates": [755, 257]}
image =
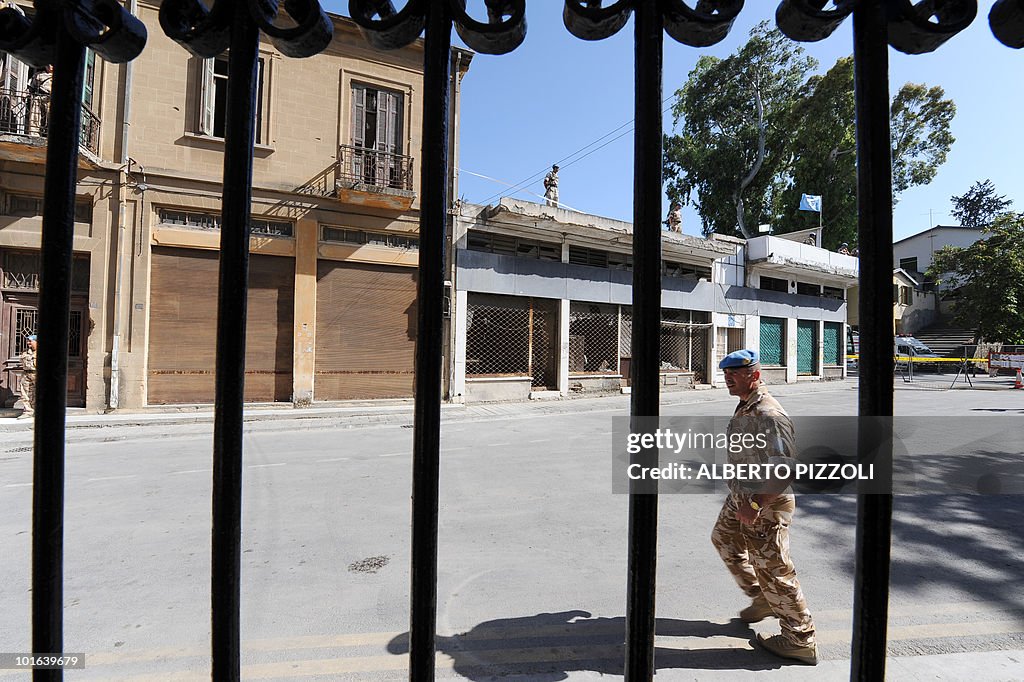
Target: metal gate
{"type": "Point", "coordinates": [806, 345]}
{"type": "Point", "coordinates": [59, 33]}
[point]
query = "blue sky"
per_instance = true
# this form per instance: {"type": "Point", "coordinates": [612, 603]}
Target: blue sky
{"type": "Point", "coordinates": [556, 94]}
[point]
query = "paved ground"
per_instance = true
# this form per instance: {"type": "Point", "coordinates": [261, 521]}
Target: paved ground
{"type": "Point", "coordinates": [531, 557]}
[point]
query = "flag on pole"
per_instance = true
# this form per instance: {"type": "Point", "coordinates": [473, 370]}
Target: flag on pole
{"type": "Point", "coordinates": [810, 202]}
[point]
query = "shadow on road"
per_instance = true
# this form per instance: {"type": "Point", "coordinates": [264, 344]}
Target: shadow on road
{"type": "Point", "coordinates": [548, 646]}
{"type": "Point", "coordinates": [964, 543]}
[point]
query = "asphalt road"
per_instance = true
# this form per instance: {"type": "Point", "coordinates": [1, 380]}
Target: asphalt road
{"type": "Point", "coordinates": [532, 555]}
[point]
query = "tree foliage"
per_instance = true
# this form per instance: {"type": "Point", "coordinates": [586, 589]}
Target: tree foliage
{"type": "Point", "coordinates": [732, 150]}
{"type": "Point", "coordinates": [988, 280]}
{"type": "Point", "coordinates": [808, 137]}
{"type": "Point", "coordinates": [824, 157]}
{"type": "Point", "coordinates": [979, 205]}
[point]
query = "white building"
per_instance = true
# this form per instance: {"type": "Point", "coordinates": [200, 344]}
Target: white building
{"type": "Point", "coordinates": [543, 294]}
{"type": "Point", "coordinates": [913, 254]}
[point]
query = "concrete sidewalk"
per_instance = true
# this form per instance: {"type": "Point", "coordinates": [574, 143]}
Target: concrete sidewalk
{"type": "Point", "coordinates": [278, 416]}
{"type": "Point", "coordinates": [387, 411]}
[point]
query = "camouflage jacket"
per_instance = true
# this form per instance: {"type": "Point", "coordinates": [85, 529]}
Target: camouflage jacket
{"type": "Point", "coordinates": [28, 361]}
{"type": "Point", "coordinates": [761, 413]}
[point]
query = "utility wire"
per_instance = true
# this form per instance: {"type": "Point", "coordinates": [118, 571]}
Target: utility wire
{"type": "Point", "coordinates": [517, 186]}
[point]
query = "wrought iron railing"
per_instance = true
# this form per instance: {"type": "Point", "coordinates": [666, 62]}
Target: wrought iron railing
{"type": "Point", "coordinates": [28, 113]}
{"type": "Point", "coordinates": [362, 166]}
{"type": "Point", "coordinates": [59, 33]}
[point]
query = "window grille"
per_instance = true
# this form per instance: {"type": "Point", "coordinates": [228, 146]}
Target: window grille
{"type": "Point", "coordinates": [676, 269]}
{"type": "Point", "coordinates": [684, 342]}
{"type": "Point", "coordinates": [388, 240]}
{"type": "Point", "coordinates": [75, 334]}
{"type": "Point", "coordinates": [26, 322]}
{"type": "Point", "coordinates": [21, 271]}
{"type": "Point", "coordinates": [593, 339]}
{"type": "Point", "coordinates": [730, 340]}
{"type": "Point", "coordinates": [806, 346]}
{"type": "Point", "coordinates": [512, 246]}
{"type": "Point", "coordinates": [510, 336]}
{"type": "Point", "coordinates": [909, 264]}
{"type": "Point", "coordinates": [830, 343]}
{"type": "Point", "coordinates": [625, 331]}
{"type": "Point", "coordinates": [772, 337]}
{"type": "Point", "coordinates": [271, 228]}
{"type": "Point", "coordinates": [596, 258]}
{"type": "Point", "coordinates": [808, 289]}
{"type": "Point", "coordinates": [211, 221]}
{"type": "Point", "coordinates": [834, 292]}
{"type": "Point", "coordinates": [26, 206]}
{"type": "Point", "coordinates": [774, 284]}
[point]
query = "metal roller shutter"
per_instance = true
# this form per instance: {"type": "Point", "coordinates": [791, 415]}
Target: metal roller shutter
{"type": "Point", "coordinates": [366, 331]}
{"type": "Point", "coordinates": [183, 327]}
{"type": "Point", "coordinates": [806, 346]}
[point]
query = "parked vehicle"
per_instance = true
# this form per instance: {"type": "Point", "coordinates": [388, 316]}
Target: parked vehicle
{"type": "Point", "coordinates": [905, 347]}
{"type": "Point", "coordinates": [852, 348]}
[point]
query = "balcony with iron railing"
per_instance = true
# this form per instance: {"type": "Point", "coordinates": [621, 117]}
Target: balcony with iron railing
{"type": "Point", "coordinates": [374, 178]}
{"type": "Point", "coordinates": [28, 114]}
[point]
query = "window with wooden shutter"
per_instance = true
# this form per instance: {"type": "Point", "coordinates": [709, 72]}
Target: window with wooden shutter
{"type": "Point", "coordinates": [88, 82]}
{"type": "Point", "coordinates": [206, 97]}
{"type": "Point", "coordinates": [213, 98]}
{"type": "Point", "coordinates": [377, 126]}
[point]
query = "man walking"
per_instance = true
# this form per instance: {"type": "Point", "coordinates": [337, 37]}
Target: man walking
{"type": "Point", "coordinates": [28, 378]}
{"type": "Point", "coordinates": [752, 531]}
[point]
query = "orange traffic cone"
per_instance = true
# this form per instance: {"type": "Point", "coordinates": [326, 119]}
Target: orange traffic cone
{"type": "Point", "coordinates": [1019, 381]}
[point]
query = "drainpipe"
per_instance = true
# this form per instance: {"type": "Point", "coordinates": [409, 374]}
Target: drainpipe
{"type": "Point", "coordinates": [122, 212]}
{"type": "Point", "coordinates": [456, 86]}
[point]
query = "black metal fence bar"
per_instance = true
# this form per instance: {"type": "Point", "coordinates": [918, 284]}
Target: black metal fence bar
{"type": "Point", "coordinates": [644, 397]}
{"type": "Point", "coordinates": [52, 373]}
{"type": "Point", "coordinates": [230, 369]}
{"type": "Point", "coordinates": [430, 321]}
{"type": "Point", "coordinates": [874, 204]}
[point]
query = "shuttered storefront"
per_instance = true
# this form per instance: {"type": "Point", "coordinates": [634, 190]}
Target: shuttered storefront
{"type": "Point", "coordinates": [365, 331]}
{"type": "Point", "coordinates": [772, 341]}
{"type": "Point", "coordinates": [183, 327]}
{"type": "Point", "coordinates": [830, 354]}
{"type": "Point", "coordinates": [806, 347]}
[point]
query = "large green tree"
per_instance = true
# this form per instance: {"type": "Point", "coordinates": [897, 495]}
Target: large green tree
{"type": "Point", "coordinates": [988, 280]}
{"type": "Point", "coordinates": [806, 146]}
{"type": "Point", "coordinates": [824, 148]}
{"type": "Point", "coordinates": [979, 205]}
{"type": "Point", "coordinates": [733, 148]}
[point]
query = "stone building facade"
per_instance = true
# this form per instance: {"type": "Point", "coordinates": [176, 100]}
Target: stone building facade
{"type": "Point", "coordinates": [335, 215]}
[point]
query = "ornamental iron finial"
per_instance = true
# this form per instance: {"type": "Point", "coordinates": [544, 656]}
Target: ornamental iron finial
{"type": "Point", "coordinates": [102, 25]}
{"type": "Point", "coordinates": [1006, 19]}
{"type": "Point", "coordinates": [914, 27]}
{"type": "Point", "coordinates": [206, 32]}
{"type": "Point", "coordinates": [388, 29]}
{"type": "Point", "coordinates": [705, 24]}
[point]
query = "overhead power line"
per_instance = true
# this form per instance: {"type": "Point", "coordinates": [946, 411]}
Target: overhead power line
{"type": "Point", "coordinates": [565, 162]}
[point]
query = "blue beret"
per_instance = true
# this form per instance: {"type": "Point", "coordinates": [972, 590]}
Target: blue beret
{"type": "Point", "coordinates": [741, 358]}
{"type": "Point", "coordinates": [31, 337]}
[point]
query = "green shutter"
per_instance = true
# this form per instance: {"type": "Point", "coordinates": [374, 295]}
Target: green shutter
{"type": "Point", "coordinates": [771, 340]}
{"type": "Point", "coordinates": [830, 343]}
{"type": "Point", "coordinates": [805, 346]}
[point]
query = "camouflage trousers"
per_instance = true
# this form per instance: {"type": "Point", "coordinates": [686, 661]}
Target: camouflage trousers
{"type": "Point", "coordinates": [28, 392]}
{"type": "Point", "coordinates": [757, 555]}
